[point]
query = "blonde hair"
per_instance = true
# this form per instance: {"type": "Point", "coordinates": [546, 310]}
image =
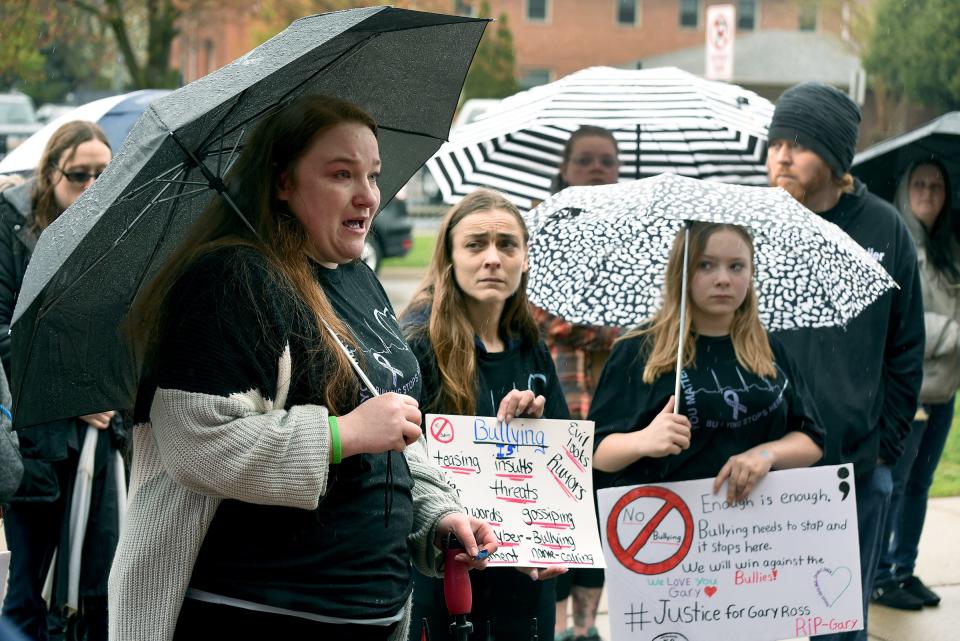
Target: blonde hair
{"type": "Point", "coordinates": [844, 183]}
{"type": "Point", "coordinates": [750, 342]}
{"type": "Point", "coordinates": [449, 330]}
{"type": "Point", "coordinates": [274, 148]}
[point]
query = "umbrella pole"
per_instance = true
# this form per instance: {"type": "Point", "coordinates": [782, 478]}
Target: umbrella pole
{"type": "Point", "coordinates": [683, 317]}
{"type": "Point", "coordinates": [637, 169]}
{"type": "Point", "coordinates": [215, 182]}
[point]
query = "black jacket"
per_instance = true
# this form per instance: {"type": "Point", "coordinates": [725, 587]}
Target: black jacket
{"type": "Point", "coordinates": [865, 377]}
{"type": "Point", "coordinates": [17, 242]}
{"type": "Point", "coordinates": [51, 451]}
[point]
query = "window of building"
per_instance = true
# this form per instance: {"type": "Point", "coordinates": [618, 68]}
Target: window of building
{"type": "Point", "coordinates": [208, 47]}
{"type": "Point", "coordinates": [463, 7]}
{"type": "Point", "coordinates": [537, 10]}
{"type": "Point", "coordinates": [808, 16]}
{"type": "Point", "coordinates": [689, 14]}
{"type": "Point", "coordinates": [534, 77]}
{"type": "Point", "coordinates": [627, 13]}
{"type": "Point", "coordinates": [747, 15]}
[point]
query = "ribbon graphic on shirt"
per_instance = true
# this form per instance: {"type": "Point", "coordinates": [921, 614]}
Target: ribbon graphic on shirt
{"type": "Point", "coordinates": [732, 399]}
{"type": "Point", "coordinates": [382, 360]}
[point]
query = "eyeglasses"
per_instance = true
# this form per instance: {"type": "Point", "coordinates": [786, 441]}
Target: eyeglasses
{"type": "Point", "coordinates": [80, 177]}
{"type": "Point", "coordinates": [587, 160]}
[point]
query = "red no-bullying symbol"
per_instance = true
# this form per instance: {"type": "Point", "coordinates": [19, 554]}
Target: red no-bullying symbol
{"type": "Point", "coordinates": [441, 429]}
{"type": "Point", "coordinates": [720, 31]}
{"type": "Point", "coordinates": [627, 555]}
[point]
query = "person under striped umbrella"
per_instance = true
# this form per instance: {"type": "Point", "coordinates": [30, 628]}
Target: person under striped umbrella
{"type": "Point", "coordinates": [664, 120]}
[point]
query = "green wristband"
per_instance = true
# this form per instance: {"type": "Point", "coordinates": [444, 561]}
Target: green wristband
{"type": "Point", "coordinates": [335, 446]}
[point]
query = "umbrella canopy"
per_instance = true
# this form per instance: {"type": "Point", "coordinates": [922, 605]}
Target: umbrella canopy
{"type": "Point", "coordinates": [406, 68]}
{"type": "Point", "coordinates": [882, 165]}
{"type": "Point", "coordinates": [115, 115]}
{"type": "Point", "coordinates": [598, 254]}
{"type": "Point", "coordinates": [665, 120]}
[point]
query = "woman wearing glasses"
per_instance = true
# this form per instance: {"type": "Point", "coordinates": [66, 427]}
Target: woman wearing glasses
{"type": "Point", "coordinates": [579, 351]}
{"type": "Point", "coordinates": [36, 522]}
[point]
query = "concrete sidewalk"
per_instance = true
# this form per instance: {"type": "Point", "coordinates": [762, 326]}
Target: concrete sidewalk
{"type": "Point", "coordinates": [938, 566]}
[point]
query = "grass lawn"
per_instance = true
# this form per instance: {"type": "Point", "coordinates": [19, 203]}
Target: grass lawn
{"type": "Point", "coordinates": [947, 480]}
{"type": "Point", "coordinates": [419, 255]}
{"type": "Point", "coordinates": [945, 483]}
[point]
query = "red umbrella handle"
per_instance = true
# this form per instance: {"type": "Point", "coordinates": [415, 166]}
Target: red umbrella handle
{"type": "Point", "coordinates": [456, 584]}
{"type": "Point", "coordinates": [457, 592]}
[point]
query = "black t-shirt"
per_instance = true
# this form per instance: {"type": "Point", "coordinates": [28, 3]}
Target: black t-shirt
{"type": "Point", "coordinates": [730, 408]}
{"type": "Point", "coordinates": [519, 366]}
{"type": "Point", "coordinates": [232, 325]}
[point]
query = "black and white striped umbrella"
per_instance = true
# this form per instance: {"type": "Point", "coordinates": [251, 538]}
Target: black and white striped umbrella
{"type": "Point", "coordinates": [598, 255]}
{"type": "Point", "coordinates": [665, 120]}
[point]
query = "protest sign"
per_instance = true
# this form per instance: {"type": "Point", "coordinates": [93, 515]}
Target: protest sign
{"type": "Point", "coordinates": [684, 564]}
{"type": "Point", "coordinates": [530, 479]}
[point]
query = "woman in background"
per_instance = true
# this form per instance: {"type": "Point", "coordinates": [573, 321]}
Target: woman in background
{"type": "Point", "coordinates": [923, 198]}
{"type": "Point", "coordinates": [469, 325]}
{"type": "Point", "coordinates": [36, 522]}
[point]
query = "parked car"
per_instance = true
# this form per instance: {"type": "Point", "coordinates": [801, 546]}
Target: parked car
{"type": "Point", "coordinates": [18, 120]}
{"type": "Point", "coordinates": [391, 235]}
{"type": "Point", "coordinates": [50, 110]}
{"type": "Point", "coordinates": [116, 115]}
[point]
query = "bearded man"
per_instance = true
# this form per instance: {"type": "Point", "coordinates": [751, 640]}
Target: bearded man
{"type": "Point", "coordinates": [865, 377]}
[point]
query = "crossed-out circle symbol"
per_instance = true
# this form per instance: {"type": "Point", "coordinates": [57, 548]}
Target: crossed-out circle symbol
{"type": "Point", "coordinates": [720, 29]}
{"type": "Point", "coordinates": [441, 429]}
{"type": "Point", "coordinates": [627, 555]}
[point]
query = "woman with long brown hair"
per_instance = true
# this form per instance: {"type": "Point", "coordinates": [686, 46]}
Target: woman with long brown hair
{"type": "Point", "coordinates": [923, 198]}
{"type": "Point", "coordinates": [36, 523]}
{"type": "Point", "coordinates": [281, 486]}
{"type": "Point", "coordinates": [470, 326]}
{"type": "Point", "coordinates": [744, 409]}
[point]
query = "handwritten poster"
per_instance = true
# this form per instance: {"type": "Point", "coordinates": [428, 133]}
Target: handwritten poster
{"type": "Point", "coordinates": [684, 564]}
{"type": "Point", "coordinates": [531, 480]}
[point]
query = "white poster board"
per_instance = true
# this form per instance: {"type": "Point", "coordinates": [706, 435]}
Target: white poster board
{"type": "Point", "coordinates": [721, 31]}
{"type": "Point", "coordinates": [683, 564]}
{"type": "Point", "coordinates": [531, 480]}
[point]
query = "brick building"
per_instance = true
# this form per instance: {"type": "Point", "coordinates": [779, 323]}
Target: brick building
{"type": "Point", "coordinates": [780, 42]}
{"type": "Point", "coordinates": [553, 38]}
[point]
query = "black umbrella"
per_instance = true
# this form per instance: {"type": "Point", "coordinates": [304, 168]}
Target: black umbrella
{"type": "Point", "coordinates": [406, 68]}
{"type": "Point", "coordinates": [882, 165]}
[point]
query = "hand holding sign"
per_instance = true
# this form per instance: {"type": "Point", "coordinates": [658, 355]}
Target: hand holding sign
{"type": "Point", "coordinates": [517, 403]}
{"type": "Point", "coordinates": [742, 472]}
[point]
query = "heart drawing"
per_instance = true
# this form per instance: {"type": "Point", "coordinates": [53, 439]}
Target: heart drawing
{"type": "Point", "coordinates": [831, 584]}
{"type": "Point", "coordinates": [710, 590]}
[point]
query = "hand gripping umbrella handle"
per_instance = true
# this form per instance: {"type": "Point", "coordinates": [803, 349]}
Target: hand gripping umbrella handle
{"type": "Point", "coordinates": [683, 317]}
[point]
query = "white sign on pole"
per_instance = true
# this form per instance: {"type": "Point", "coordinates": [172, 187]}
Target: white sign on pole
{"type": "Point", "coordinates": [721, 29]}
{"type": "Point", "coordinates": [684, 564]}
{"type": "Point", "coordinates": [530, 479]}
